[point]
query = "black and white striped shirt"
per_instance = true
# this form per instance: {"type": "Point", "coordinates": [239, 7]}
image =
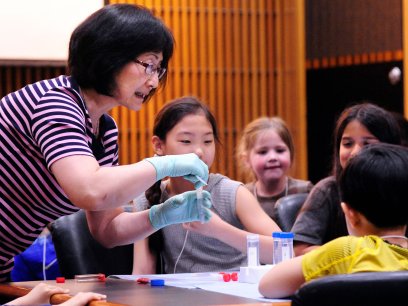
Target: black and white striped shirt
{"type": "Point", "coordinates": [39, 124]}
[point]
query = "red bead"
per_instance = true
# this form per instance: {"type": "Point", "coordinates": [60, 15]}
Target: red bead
{"type": "Point", "coordinates": [226, 277]}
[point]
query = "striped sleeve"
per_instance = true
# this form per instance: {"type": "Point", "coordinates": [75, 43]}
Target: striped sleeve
{"type": "Point", "coordinates": [59, 126]}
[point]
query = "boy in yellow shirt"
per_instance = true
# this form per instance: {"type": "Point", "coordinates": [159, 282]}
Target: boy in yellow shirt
{"type": "Point", "coordinates": [373, 189]}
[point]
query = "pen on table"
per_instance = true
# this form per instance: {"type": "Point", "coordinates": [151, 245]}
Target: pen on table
{"type": "Point", "coordinates": [83, 278]}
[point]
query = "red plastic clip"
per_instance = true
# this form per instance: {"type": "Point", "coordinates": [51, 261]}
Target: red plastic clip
{"type": "Point", "coordinates": [143, 280]}
{"type": "Point", "coordinates": [60, 280]}
{"type": "Point", "coordinates": [102, 277]}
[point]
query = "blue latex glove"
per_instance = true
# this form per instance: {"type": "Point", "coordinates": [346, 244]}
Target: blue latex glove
{"type": "Point", "coordinates": [180, 209]}
{"type": "Point", "coordinates": [189, 166]}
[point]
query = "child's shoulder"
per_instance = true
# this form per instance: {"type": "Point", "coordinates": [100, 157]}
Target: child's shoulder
{"type": "Point", "coordinates": [220, 183]}
{"type": "Point", "coordinates": [217, 178]}
{"type": "Point", "coordinates": [350, 244]}
{"type": "Point", "coordinates": [299, 186]}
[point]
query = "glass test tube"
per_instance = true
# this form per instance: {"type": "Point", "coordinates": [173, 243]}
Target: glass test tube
{"type": "Point", "coordinates": [200, 204]}
{"type": "Point", "coordinates": [201, 209]}
{"type": "Point", "coordinates": [253, 250]}
{"type": "Point", "coordinates": [282, 246]}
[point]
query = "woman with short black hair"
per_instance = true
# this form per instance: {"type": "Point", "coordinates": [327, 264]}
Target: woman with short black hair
{"type": "Point", "coordinates": [59, 147]}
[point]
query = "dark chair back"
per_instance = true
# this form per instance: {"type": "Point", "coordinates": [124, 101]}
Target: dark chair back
{"type": "Point", "coordinates": [288, 208]}
{"type": "Point", "coordinates": [79, 253]}
{"type": "Point", "coordinates": [368, 288]}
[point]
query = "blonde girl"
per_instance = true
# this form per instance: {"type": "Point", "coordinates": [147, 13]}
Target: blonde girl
{"type": "Point", "coordinates": [266, 153]}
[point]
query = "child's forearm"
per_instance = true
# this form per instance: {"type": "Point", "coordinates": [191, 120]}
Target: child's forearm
{"type": "Point", "coordinates": [237, 238]}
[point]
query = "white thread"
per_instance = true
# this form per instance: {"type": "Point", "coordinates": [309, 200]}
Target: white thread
{"type": "Point", "coordinates": [50, 264]}
{"type": "Point", "coordinates": [44, 266]}
{"type": "Point", "coordinates": [395, 237]}
{"type": "Point", "coordinates": [181, 252]}
{"type": "Point", "coordinates": [286, 189]}
{"type": "Point", "coordinates": [44, 257]}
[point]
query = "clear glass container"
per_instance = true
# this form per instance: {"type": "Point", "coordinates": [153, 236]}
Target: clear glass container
{"type": "Point", "coordinates": [282, 246]}
{"type": "Point", "coordinates": [253, 250]}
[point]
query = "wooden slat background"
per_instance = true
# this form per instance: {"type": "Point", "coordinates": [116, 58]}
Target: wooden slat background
{"type": "Point", "coordinates": [353, 32]}
{"type": "Point", "coordinates": [247, 58]}
{"type": "Point", "coordinates": [243, 58]}
{"type": "Point", "coordinates": [356, 32]}
{"type": "Point", "coordinates": [348, 27]}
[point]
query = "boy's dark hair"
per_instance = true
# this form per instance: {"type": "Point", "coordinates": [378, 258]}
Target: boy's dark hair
{"type": "Point", "coordinates": [403, 123]}
{"type": "Point", "coordinates": [112, 37]}
{"type": "Point", "coordinates": [375, 181]}
{"type": "Point", "coordinates": [375, 119]}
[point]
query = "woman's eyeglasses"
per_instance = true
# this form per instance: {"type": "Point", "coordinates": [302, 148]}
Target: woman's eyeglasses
{"type": "Point", "coordinates": [150, 69]}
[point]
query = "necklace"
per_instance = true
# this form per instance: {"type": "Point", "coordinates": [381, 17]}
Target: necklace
{"type": "Point", "coordinates": [286, 189]}
{"type": "Point", "coordinates": [395, 237]}
{"type": "Point", "coordinates": [96, 127]}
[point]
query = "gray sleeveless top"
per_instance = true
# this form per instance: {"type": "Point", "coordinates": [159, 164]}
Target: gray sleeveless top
{"type": "Point", "coordinates": [201, 253]}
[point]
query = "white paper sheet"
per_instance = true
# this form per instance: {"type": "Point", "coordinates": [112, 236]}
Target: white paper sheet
{"type": "Point", "coordinates": [210, 281]}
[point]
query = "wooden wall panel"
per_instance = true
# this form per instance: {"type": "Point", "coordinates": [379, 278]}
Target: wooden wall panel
{"type": "Point", "coordinates": [243, 58]}
{"type": "Point", "coordinates": [15, 76]}
{"type": "Point", "coordinates": [290, 74]}
{"type": "Point", "coordinates": [353, 32]}
{"type": "Point", "coordinates": [342, 27]}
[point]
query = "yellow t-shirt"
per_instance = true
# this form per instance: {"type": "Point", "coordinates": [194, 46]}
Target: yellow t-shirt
{"type": "Point", "coordinates": [351, 254]}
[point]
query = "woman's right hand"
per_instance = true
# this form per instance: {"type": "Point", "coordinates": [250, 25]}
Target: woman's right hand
{"type": "Point", "coordinates": [189, 166]}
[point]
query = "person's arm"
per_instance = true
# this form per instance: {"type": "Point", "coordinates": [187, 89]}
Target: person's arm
{"type": "Point", "coordinates": [115, 227]}
{"type": "Point", "coordinates": [40, 294]}
{"type": "Point", "coordinates": [144, 261]}
{"type": "Point", "coordinates": [314, 220]}
{"type": "Point", "coordinates": [83, 298]}
{"type": "Point", "coordinates": [254, 219]}
{"type": "Point", "coordinates": [283, 279]}
{"type": "Point", "coordinates": [251, 214]}
{"type": "Point", "coordinates": [233, 236]}
{"type": "Point", "coordinates": [92, 187]}
{"type": "Point", "coordinates": [301, 248]}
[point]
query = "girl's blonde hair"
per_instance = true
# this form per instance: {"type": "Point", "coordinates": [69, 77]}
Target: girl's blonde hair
{"type": "Point", "coordinates": [251, 133]}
